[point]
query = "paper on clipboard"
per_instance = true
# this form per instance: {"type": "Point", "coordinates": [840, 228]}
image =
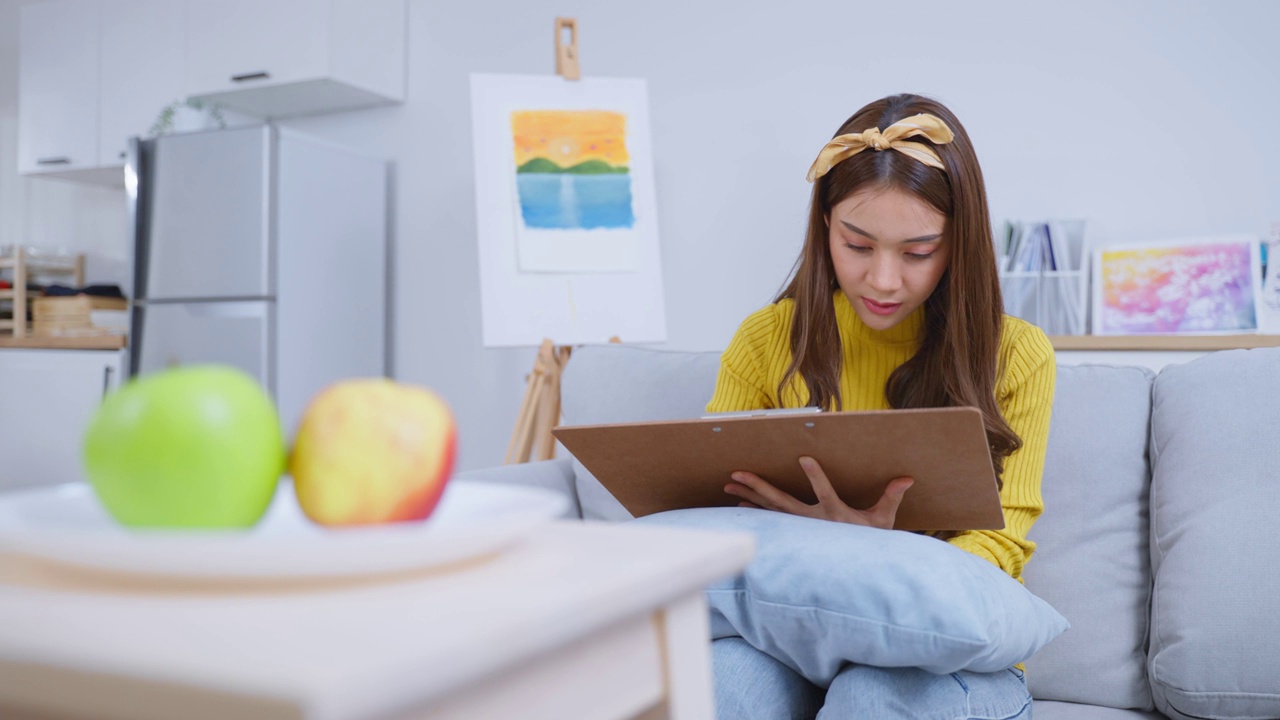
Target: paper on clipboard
{"type": "Point", "coordinates": [656, 466]}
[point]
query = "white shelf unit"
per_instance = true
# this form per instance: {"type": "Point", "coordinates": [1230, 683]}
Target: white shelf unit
{"type": "Point", "coordinates": [1056, 301]}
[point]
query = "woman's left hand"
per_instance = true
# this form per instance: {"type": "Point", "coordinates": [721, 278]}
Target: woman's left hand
{"type": "Point", "coordinates": [759, 493]}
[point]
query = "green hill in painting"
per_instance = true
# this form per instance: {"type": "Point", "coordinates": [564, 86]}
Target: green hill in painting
{"type": "Point", "coordinates": [595, 167]}
{"type": "Point", "coordinates": [588, 167]}
{"type": "Point", "coordinates": [539, 165]}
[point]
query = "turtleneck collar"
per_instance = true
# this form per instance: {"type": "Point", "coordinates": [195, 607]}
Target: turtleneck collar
{"type": "Point", "coordinates": [853, 330]}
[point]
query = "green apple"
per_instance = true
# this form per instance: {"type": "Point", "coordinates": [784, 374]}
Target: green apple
{"type": "Point", "coordinates": [190, 447]}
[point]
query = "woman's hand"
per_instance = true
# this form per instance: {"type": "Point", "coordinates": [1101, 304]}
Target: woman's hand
{"type": "Point", "coordinates": [758, 493]}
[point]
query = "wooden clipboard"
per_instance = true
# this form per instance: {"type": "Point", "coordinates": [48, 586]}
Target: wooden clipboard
{"type": "Point", "coordinates": [655, 466]}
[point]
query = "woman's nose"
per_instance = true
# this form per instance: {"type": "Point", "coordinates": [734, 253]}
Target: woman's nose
{"type": "Point", "coordinates": [885, 276]}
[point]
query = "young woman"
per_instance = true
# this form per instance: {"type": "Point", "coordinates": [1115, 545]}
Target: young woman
{"type": "Point", "coordinates": [893, 303]}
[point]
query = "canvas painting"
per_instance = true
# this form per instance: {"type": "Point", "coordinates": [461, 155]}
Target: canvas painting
{"type": "Point", "coordinates": [566, 216]}
{"type": "Point", "coordinates": [572, 169]}
{"type": "Point", "coordinates": [1196, 286]}
{"type": "Point", "coordinates": [573, 199]}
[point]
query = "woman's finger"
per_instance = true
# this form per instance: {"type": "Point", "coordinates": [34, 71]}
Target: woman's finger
{"type": "Point", "coordinates": [822, 488]}
{"type": "Point", "coordinates": [751, 497]}
{"type": "Point", "coordinates": [886, 510]}
{"type": "Point", "coordinates": [769, 496]}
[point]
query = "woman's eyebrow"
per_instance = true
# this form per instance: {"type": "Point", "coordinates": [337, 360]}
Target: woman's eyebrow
{"type": "Point", "coordinates": [860, 231]}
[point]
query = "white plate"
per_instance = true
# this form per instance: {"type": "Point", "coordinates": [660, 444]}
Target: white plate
{"type": "Point", "coordinates": [66, 523]}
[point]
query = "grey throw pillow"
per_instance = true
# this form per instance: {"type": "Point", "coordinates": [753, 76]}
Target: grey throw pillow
{"type": "Point", "coordinates": [1092, 562]}
{"type": "Point", "coordinates": [1215, 497]}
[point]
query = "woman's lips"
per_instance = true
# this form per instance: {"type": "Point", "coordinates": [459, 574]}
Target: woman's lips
{"type": "Point", "coordinates": [881, 308]}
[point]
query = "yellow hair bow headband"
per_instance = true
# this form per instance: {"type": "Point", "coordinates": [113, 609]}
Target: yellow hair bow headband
{"type": "Point", "coordinates": [894, 137]}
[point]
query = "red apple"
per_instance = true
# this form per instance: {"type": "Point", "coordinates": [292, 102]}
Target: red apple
{"type": "Point", "coordinates": [372, 451]}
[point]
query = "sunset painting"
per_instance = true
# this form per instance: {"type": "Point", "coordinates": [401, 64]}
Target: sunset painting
{"type": "Point", "coordinates": [572, 169]}
{"type": "Point", "coordinates": [1189, 287]}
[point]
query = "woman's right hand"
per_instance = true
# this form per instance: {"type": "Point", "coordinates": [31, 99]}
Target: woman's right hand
{"type": "Point", "coordinates": [759, 493]}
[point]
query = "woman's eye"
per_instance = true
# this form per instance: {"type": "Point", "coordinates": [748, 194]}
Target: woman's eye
{"type": "Point", "coordinates": [858, 248]}
{"type": "Point", "coordinates": [920, 256]}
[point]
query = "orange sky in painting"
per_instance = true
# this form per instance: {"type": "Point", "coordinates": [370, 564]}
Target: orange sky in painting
{"type": "Point", "coordinates": [568, 137]}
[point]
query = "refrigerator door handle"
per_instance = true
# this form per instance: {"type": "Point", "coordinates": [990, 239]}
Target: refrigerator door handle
{"type": "Point", "coordinates": [224, 309]}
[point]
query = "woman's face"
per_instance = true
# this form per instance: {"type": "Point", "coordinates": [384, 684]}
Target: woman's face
{"type": "Point", "coordinates": [889, 253]}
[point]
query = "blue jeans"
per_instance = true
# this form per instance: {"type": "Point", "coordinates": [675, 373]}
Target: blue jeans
{"type": "Point", "coordinates": [750, 685]}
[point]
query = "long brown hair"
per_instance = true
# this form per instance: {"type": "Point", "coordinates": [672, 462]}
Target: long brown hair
{"type": "Point", "coordinates": [956, 365]}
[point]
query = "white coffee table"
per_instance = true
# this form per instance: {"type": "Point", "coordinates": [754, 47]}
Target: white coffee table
{"type": "Point", "coordinates": [579, 621]}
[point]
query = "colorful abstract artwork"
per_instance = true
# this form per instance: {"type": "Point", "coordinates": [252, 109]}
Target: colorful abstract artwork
{"type": "Point", "coordinates": [1193, 286]}
{"type": "Point", "coordinates": [572, 169]}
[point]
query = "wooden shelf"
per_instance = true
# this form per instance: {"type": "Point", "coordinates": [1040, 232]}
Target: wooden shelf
{"type": "Point", "coordinates": [64, 342]}
{"type": "Point", "coordinates": [62, 266]}
{"type": "Point", "coordinates": [9, 293]}
{"type": "Point", "coordinates": [1193, 343]}
{"type": "Point", "coordinates": [23, 266]}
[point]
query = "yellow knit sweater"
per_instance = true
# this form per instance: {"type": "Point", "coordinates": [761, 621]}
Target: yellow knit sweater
{"type": "Point", "coordinates": [758, 356]}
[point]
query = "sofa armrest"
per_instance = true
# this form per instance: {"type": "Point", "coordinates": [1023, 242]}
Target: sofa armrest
{"type": "Point", "coordinates": [554, 475]}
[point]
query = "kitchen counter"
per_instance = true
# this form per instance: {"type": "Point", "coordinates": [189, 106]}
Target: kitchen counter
{"type": "Point", "coordinates": [64, 342]}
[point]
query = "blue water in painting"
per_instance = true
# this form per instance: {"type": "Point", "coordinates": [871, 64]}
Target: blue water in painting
{"type": "Point", "coordinates": [564, 201]}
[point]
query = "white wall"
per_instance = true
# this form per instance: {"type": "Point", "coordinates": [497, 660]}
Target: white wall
{"type": "Point", "coordinates": [1148, 118]}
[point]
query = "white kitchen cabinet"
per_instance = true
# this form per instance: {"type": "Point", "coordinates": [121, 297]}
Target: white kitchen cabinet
{"type": "Point", "coordinates": [58, 87]}
{"type": "Point", "coordinates": [47, 398]}
{"type": "Point", "coordinates": [143, 70]}
{"type": "Point", "coordinates": [281, 58]}
{"type": "Point", "coordinates": [94, 73]}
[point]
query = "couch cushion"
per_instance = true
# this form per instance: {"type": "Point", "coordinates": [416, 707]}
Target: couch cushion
{"type": "Point", "coordinates": [620, 383]}
{"type": "Point", "coordinates": [555, 475]}
{"type": "Point", "coordinates": [1049, 710]}
{"type": "Point", "coordinates": [1215, 497]}
{"type": "Point", "coordinates": [1092, 563]}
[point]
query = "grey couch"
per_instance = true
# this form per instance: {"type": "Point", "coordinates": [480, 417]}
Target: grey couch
{"type": "Point", "coordinates": [1159, 541]}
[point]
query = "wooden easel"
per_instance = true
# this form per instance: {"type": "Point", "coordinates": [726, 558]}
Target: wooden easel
{"type": "Point", "coordinates": [540, 410]}
{"type": "Point", "coordinates": [567, 52]}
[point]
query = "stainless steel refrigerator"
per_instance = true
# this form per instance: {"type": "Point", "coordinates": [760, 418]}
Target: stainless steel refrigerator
{"type": "Point", "coordinates": [261, 248]}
